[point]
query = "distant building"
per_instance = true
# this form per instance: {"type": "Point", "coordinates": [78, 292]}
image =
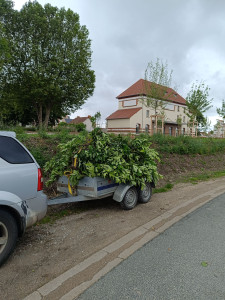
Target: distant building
{"type": "Point", "coordinates": [133, 116]}
{"type": "Point", "coordinates": [219, 129]}
{"type": "Point", "coordinates": [66, 119]}
{"type": "Point", "coordinates": [84, 120]}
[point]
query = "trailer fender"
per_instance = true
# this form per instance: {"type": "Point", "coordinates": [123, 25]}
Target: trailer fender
{"type": "Point", "coordinates": [120, 192]}
{"type": "Point", "coordinates": [152, 184]}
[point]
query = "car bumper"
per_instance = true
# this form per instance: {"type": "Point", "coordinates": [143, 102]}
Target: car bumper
{"type": "Point", "coordinates": [35, 209]}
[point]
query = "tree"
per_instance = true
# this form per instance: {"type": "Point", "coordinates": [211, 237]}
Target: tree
{"type": "Point", "coordinates": [206, 126]}
{"type": "Point", "coordinates": [49, 68]}
{"type": "Point", "coordinates": [95, 119]}
{"type": "Point", "coordinates": [160, 79]}
{"type": "Point", "coordinates": [221, 111]}
{"type": "Point", "coordinates": [198, 103]}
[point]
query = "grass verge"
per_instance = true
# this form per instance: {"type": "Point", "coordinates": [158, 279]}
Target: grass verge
{"type": "Point", "coordinates": [204, 177]}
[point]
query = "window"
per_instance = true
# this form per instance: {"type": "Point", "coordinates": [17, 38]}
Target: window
{"type": "Point", "coordinates": [169, 106]}
{"type": "Point", "coordinates": [183, 119]}
{"type": "Point", "coordinates": [12, 152]}
{"type": "Point", "coordinates": [178, 108]}
{"type": "Point", "coordinates": [129, 103]}
{"type": "Point", "coordinates": [184, 109]}
{"type": "Point", "coordinates": [147, 113]}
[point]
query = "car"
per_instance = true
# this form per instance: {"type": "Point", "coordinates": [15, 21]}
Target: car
{"type": "Point", "coordinates": [22, 201]}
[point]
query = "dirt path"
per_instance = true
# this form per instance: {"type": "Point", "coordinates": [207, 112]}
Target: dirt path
{"type": "Point", "coordinates": [46, 251]}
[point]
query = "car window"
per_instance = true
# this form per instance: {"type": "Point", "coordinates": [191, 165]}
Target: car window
{"type": "Point", "coordinates": [12, 152]}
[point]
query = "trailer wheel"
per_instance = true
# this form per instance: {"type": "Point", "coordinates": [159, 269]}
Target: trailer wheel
{"type": "Point", "coordinates": [145, 195]}
{"type": "Point", "coordinates": [130, 199]}
{"type": "Point", "coordinates": [8, 235]}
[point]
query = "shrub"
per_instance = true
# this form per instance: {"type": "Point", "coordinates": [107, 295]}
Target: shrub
{"type": "Point", "coordinates": [80, 127]}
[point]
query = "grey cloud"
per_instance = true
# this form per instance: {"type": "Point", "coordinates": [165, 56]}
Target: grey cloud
{"type": "Point", "coordinates": [127, 34]}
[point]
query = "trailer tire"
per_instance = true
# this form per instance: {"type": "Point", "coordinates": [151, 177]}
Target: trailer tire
{"type": "Point", "coordinates": [8, 235]}
{"type": "Point", "coordinates": [130, 199]}
{"type": "Point", "coordinates": [145, 195]}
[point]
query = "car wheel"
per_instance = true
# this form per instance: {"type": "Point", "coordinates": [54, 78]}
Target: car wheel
{"type": "Point", "coordinates": [8, 235]}
{"type": "Point", "coordinates": [145, 195]}
{"type": "Point", "coordinates": [130, 199]}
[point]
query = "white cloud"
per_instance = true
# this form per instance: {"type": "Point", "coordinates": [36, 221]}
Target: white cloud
{"type": "Point", "coordinates": [127, 34]}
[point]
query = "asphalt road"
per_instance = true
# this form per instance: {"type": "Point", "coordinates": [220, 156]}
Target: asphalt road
{"type": "Point", "coordinates": [187, 261]}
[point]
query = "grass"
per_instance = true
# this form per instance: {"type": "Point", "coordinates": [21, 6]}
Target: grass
{"type": "Point", "coordinates": [186, 144]}
{"type": "Point", "coordinates": [204, 177]}
{"type": "Point", "coordinates": [192, 179]}
{"type": "Point", "coordinates": [164, 189]}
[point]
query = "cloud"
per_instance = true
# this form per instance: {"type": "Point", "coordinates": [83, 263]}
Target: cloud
{"type": "Point", "coordinates": [127, 34]}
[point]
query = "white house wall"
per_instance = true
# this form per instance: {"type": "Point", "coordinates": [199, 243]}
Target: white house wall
{"type": "Point", "coordinates": [118, 125]}
{"type": "Point", "coordinates": [174, 111]}
{"type": "Point", "coordinates": [88, 124]}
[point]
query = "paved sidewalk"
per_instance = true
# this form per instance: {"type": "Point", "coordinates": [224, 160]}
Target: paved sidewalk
{"type": "Point", "coordinates": [187, 261]}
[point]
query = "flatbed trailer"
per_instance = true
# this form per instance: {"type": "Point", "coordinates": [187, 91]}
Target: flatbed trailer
{"type": "Point", "coordinates": [96, 188]}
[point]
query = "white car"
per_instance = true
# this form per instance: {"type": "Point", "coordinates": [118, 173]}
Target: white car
{"type": "Point", "coordinates": [22, 201]}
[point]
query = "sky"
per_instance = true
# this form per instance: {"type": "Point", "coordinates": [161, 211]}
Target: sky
{"type": "Point", "coordinates": [127, 34]}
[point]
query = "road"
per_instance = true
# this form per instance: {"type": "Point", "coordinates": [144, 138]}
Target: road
{"type": "Point", "coordinates": [83, 249]}
{"type": "Point", "coordinates": [187, 261]}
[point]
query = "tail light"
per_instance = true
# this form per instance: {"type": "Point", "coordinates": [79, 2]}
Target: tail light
{"type": "Point", "coordinates": [40, 180]}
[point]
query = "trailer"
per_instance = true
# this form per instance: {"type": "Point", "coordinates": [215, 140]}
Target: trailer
{"type": "Point", "coordinates": [96, 188]}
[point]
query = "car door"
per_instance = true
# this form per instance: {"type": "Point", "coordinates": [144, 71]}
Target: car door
{"type": "Point", "coordinates": [18, 170]}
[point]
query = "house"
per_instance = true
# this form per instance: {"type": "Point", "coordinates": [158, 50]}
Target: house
{"type": "Point", "coordinates": [219, 128]}
{"type": "Point", "coordinates": [84, 120]}
{"type": "Point", "coordinates": [66, 119]}
{"type": "Point", "coordinates": [134, 116]}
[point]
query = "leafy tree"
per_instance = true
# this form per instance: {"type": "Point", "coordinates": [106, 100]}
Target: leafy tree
{"type": "Point", "coordinates": [160, 79]}
{"type": "Point", "coordinates": [221, 111]}
{"type": "Point", "coordinates": [95, 119]}
{"type": "Point", "coordinates": [206, 126]}
{"type": "Point", "coordinates": [198, 103]}
{"type": "Point", "coordinates": [6, 11]}
{"type": "Point", "coordinates": [49, 68]}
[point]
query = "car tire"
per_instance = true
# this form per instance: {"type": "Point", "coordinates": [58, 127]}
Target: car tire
{"type": "Point", "coordinates": [130, 199]}
{"type": "Point", "coordinates": [8, 235]}
{"type": "Point", "coordinates": [145, 195]}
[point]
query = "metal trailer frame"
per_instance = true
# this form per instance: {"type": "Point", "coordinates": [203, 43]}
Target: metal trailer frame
{"type": "Point", "coordinates": [89, 189]}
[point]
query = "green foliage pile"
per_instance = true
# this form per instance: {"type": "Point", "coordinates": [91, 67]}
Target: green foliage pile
{"type": "Point", "coordinates": [120, 158]}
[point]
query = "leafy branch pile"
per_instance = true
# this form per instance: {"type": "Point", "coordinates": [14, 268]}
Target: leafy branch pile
{"type": "Point", "coordinates": [119, 158]}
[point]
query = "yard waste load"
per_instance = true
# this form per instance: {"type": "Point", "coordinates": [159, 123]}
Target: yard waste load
{"type": "Point", "coordinates": [123, 159]}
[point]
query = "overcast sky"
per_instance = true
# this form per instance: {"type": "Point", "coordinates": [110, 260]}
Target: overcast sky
{"type": "Point", "coordinates": [127, 34]}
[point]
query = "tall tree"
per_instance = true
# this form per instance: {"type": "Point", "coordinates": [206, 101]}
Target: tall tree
{"type": "Point", "coordinates": [49, 68]}
{"type": "Point", "coordinates": [198, 102]}
{"type": "Point", "coordinates": [221, 111]}
{"type": "Point", "coordinates": [160, 77]}
{"type": "Point", "coordinates": [95, 119]}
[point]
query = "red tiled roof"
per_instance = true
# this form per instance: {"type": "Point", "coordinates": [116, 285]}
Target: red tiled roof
{"type": "Point", "coordinates": [78, 120]}
{"type": "Point", "coordinates": [139, 88]}
{"type": "Point", "coordinates": [123, 113]}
